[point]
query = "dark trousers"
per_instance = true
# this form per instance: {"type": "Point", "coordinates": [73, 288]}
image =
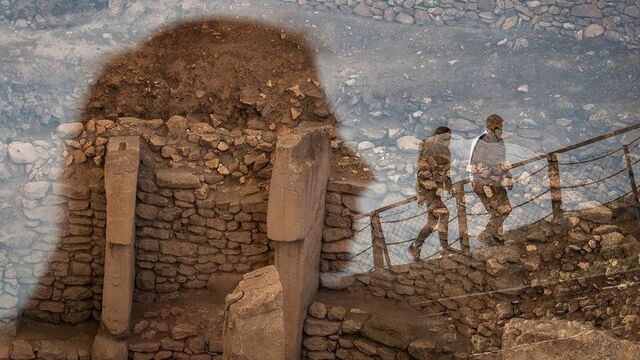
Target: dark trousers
{"type": "Point", "coordinates": [437, 219]}
{"type": "Point", "coordinates": [497, 203]}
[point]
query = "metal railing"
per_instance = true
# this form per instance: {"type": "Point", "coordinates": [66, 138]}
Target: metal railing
{"type": "Point", "coordinates": [554, 189]}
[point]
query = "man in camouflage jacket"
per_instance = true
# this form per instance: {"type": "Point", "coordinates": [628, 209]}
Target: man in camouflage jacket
{"type": "Point", "coordinates": [433, 178]}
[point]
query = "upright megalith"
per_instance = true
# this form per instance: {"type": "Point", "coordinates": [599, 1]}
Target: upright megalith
{"type": "Point", "coordinates": [295, 219]}
{"type": "Point", "coordinates": [253, 321]}
{"type": "Point", "coordinates": [121, 176]}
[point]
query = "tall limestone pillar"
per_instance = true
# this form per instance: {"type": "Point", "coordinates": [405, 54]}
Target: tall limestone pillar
{"type": "Point", "coordinates": [121, 177]}
{"type": "Point", "coordinates": [295, 219]}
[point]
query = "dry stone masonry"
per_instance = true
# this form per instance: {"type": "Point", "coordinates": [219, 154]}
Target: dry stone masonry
{"type": "Point", "coordinates": [337, 332]}
{"type": "Point", "coordinates": [541, 274]}
{"type": "Point", "coordinates": [53, 227]}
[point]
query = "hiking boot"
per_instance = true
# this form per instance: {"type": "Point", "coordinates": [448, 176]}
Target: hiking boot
{"type": "Point", "coordinates": [491, 240]}
{"type": "Point", "coordinates": [447, 251]}
{"type": "Point", "coordinates": [414, 251]}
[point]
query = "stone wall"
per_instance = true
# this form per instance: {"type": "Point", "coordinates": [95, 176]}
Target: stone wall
{"type": "Point", "coordinates": [165, 334]}
{"type": "Point", "coordinates": [202, 204]}
{"type": "Point", "coordinates": [53, 226]}
{"type": "Point", "coordinates": [555, 269]}
{"type": "Point", "coordinates": [42, 350]}
{"type": "Point", "coordinates": [617, 21]}
{"type": "Point", "coordinates": [335, 332]}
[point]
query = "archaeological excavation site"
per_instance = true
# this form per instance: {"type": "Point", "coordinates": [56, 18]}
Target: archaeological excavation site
{"type": "Point", "coordinates": [319, 179]}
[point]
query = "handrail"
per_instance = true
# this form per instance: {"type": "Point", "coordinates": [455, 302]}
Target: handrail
{"type": "Point", "coordinates": [517, 165]}
{"type": "Point", "coordinates": [379, 244]}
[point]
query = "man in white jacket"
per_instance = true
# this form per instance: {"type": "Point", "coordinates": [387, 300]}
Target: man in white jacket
{"type": "Point", "coordinates": [490, 175]}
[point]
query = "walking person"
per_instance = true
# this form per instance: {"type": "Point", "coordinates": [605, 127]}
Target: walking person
{"type": "Point", "coordinates": [433, 178]}
{"type": "Point", "coordinates": [490, 175]}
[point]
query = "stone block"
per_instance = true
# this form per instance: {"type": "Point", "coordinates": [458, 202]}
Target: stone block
{"type": "Point", "coordinates": [299, 179]}
{"type": "Point", "coordinates": [391, 332]}
{"type": "Point", "coordinates": [177, 179]}
{"type": "Point", "coordinates": [295, 219]}
{"type": "Point", "coordinates": [253, 324]}
{"type": "Point", "coordinates": [586, 10]}
{"type": "Point", "coordinates": [121, 177]}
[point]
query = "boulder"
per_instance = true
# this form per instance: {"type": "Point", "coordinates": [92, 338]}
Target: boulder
{"type": "Point", "coordinates": [562, 339]}
{"type": "Point", "coordinates": [408, 143]}
{"type": "Point", "coordinates": [106, 347]}
{"type": "Point", "coordinates": [22, 153]}
{"type": "Point", "coordinates": [70, 130]}
{"type": "Point", "coordinates": [253, 324]}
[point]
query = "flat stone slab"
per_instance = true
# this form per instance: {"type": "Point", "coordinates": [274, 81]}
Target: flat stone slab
{"type": "Point", "coordinates": [121, 178]}
{"type": "Point", "coordinates": [177, 179]}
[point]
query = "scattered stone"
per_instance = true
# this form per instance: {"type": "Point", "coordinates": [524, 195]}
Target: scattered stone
{"type": "Point", "coordinates": [600, 119]}
{"type": "Point", "coordinates": [405, 18]}
{"type": "Point", "coordinates": [586, 10]}
{"type": "Point", "coordinates": [593, 30]}
{"type": "Point", "coordinates": [22, 153]}
{"type": "Point", "coordinates": [70, 130]}
{"type": "Point", "coordinates": [408, 143]}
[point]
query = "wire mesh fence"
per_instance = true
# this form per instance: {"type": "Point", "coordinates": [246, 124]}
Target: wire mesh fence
{"type": "Point", "coordinates": [587, 175]}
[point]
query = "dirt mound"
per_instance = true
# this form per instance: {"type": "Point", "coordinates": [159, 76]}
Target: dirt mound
{"type": "Point", "coordinates": [226, 71]}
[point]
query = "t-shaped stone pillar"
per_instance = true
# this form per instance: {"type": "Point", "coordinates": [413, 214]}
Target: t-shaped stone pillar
{"type": "Point", "coordinates": [295, 219]}
{"type": "Point", "coordinates": [121, 178]}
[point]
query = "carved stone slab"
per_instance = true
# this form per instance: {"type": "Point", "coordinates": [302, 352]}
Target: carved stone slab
{"type": "Point", "coordinates": [121, 178]}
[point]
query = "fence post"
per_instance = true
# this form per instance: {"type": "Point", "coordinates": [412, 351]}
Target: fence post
{"type": "Point", "coordinates": [554, 185]}
{"type": "Point", "coordinates": [461, 206]}
{"type": "Point", "coordinates": [377, 238]}
{"type": "Point", "coordinates": [632, 180]}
